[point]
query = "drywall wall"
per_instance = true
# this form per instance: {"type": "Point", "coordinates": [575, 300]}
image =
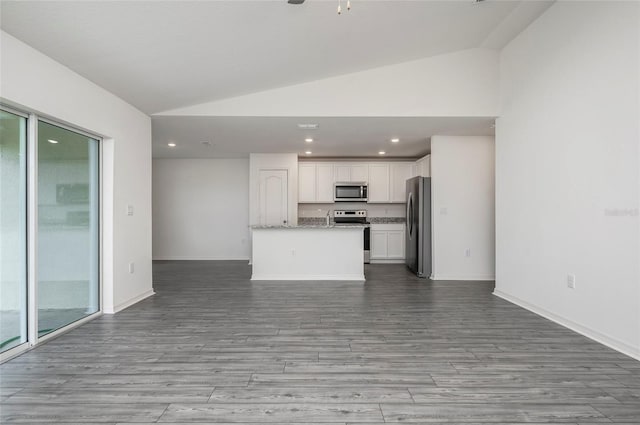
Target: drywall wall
{"type": "Point", "coordinates": [567, 170]}
{"type": "Point", "coordinates": [460, 84]}
{"type": "Point", "coordinates": [35, 83]}
{"type": "Point", "coordinates": [463, 213]}
{"type": "Point", "coordinates": [201, 209]}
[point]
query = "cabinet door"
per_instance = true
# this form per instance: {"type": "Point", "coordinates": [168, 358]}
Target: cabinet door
{"type": "Point", "coordinates": [378, 183]}
{"type": "Point", "coordinates": [343, 173]}
{"type": "Point", "coordinates": [360, 173]}
{"type": "Point", "coordinates": [378, 247]}
{"type": "Point", "coordinates": [307, 183]}
{"type": "Point", "coordinates": [400, 172]}
{"type": "Point", "coordinates": [427, 166]}
{"type": "Point", "coordinates": [324, 183]}
{"type": "Point", "coordinates": [395, 244]}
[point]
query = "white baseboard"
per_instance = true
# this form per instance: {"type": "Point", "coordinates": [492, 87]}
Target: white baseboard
{"type": "Point", "coordinates": [173, 258]}
{"type": "Point", "coordinates": [387, 261]}
{"type": "Point", "coordinates": [355, 278]}
{"type": "Point", "coordinates": [462, 277]}
{"type": "Point", "coordinates": [129, 303]}
{"type": "Point", "coordinates": [620, 346]}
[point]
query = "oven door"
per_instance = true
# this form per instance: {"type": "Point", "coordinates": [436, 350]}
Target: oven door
{"type": "Point", "coordinates": [367, 245]}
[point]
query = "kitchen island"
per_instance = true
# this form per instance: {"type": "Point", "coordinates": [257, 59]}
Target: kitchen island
{"type": "Point", "coordinates": [310, 252]}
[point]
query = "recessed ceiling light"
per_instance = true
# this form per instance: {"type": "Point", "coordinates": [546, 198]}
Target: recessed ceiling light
{"type": "Point", "coordinates": [308, 126]}
{"type": "Point", "coordinates": [381, 153]}
{"type": "Point", "coordinates": [395, 140]}
{"type": "Point", "coordinates": [308, 152]}
{"type": "Point", "coordinates": [52, 141]}
{"type": "Point", "coordinates": [171, 145]}
{"type": "Point", "coordinates": [308, 140]}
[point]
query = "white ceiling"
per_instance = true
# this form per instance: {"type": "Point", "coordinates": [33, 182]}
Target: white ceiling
{"type": "Point", "coordinates": [162, 55]}
{"type": "Point", "coordinates": [233, 137]}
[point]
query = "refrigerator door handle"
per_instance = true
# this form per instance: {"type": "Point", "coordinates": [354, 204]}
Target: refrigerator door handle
{"type": "Point", "coordinates": [410, 215]}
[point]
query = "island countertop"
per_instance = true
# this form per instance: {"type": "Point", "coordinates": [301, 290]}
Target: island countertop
{"type": "Point", "coordinates": [308, 252]}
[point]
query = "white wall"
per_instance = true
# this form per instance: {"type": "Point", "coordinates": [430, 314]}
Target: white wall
{"type": "Point", "coordinates": [462, 191]}
{"type": "Point", "coordinates": [463, 84]}
{"type": "Point", "coordinates": [567, 170]}
{"type": "Point", "coordinates": [36, 83]}
{"type": "Point", "coordinates": [201, 209]}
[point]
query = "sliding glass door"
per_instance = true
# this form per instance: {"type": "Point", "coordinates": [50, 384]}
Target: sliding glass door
{"type": "Point", "coordinates": [13, 236]}
{"type": "Point", "coordinates": [49, 229]}
{"type": "Point", "coordinates": [68, 227]}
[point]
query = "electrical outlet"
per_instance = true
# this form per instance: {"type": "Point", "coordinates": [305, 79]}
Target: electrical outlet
{"type": "Point", "coordinates": [467, 252]}
{"type": "Point", "coordinates": [130, 267]}
{"type": "Point", "coordinates": [129, 209]}
{"type": "Point", "coordinates": [571, 281]}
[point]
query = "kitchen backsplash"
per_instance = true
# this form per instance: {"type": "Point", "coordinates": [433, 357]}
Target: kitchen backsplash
{"type": "Point", "coordinates": [375, 212]}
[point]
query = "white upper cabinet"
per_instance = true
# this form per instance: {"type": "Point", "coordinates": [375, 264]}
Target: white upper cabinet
{"type": "Point", "coordinates": [345, 173]}
{"type": "Point", "coordinates": [379, 183]}
{"type": "Point", "coordinates": [342, 173]}
{"type": "Point", "coordinates": [307, 182]}
{"type": "Point", "coordinates": [423, 166]}
{"type": "Point", "coordinates": [400, 172]}
{"type": "Point", "coordinates": [324, 182]}
{"type": "Point", "coordinates": [315, 182]}
{"type": "Point", "coordinates": [360, 173]}
{"type": "Point", "coordinates": [386, 180]}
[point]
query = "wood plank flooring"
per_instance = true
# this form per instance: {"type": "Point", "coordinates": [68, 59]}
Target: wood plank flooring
{"type": "Point", "coordinates": [214, 347]}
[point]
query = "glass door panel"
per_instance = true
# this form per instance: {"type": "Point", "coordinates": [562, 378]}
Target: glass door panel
{"type": "Point", "coordinates": [13, 235]}
{"type": "Point", "coordinates": [68, 227]}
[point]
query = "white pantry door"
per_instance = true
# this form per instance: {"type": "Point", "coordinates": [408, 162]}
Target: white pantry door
{"type": "Point", "coordinates": [272, 196]}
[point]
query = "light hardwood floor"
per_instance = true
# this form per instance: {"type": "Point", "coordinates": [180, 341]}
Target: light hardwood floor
{"type": "Point", "coordinates": [212, 346]}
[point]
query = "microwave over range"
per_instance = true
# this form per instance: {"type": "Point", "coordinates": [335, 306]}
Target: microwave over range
{"type": "Point", "coordinates": [350, 192]}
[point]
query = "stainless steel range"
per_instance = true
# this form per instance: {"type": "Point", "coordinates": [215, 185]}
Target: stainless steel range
{"type": "Point", "coordinates": [356, 217]}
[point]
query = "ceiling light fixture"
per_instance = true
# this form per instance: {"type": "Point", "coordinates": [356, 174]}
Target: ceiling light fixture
{"type": "Point", "coordinates": [171, 145]}
{"type": "Point", "coordinates": [308, 152]}
{"type": "Point", "coordinates": [308, 140]}
{"type": "Point", "coordinates": [395, 140]}
{"type": "Point", "coordinates": [55, 142]}
{"type": "Point", "coordinates": [381, 153]}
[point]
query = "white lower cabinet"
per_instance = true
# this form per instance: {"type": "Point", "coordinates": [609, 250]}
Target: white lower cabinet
{"type": "Point", "coordinates": [387, 242]}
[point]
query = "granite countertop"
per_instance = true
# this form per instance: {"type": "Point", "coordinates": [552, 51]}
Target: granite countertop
{"type": "Point", "coordinates": [310, 226]}
{"type": "Point", "coordinates": [320, 221]}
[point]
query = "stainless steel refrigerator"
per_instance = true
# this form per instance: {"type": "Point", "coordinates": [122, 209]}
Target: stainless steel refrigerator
{"type": "Point", "coordinates": [418, 229]}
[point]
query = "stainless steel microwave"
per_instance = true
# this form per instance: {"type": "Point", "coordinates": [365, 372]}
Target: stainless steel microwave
{"type": "Point", "coordinates": [350, 192]}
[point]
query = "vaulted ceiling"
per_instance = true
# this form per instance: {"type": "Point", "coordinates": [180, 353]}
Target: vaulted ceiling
{"type": "Point", "coordinates": [163, 55]}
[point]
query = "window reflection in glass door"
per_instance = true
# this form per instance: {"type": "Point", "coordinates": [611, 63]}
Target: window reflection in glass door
{"type": "Point", "coordinates": [13, 198]}
{"type": "Point", "coordinates": [68, 227]}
